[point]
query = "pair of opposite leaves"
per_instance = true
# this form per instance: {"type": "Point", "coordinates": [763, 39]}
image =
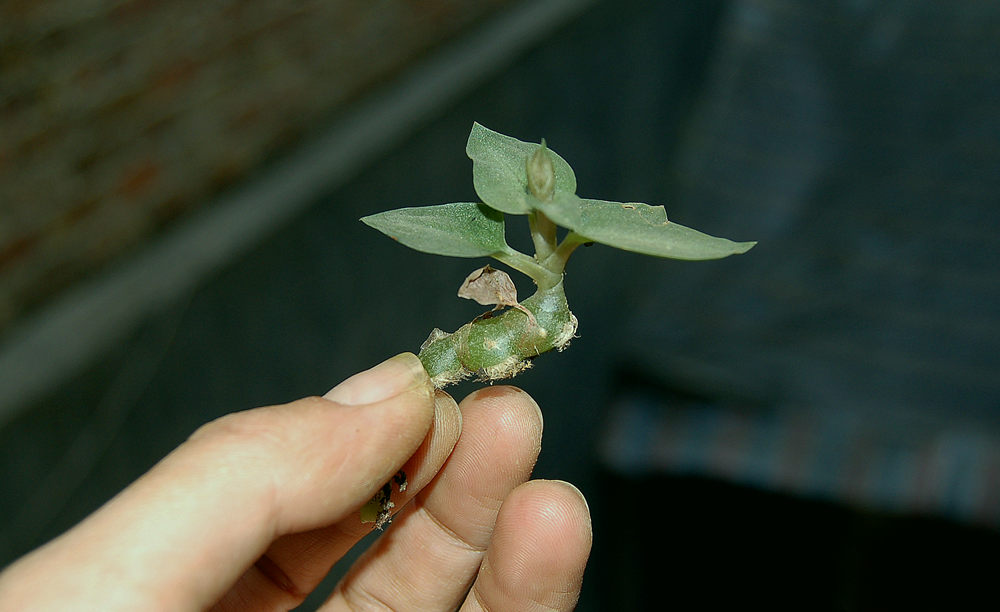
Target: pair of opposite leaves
{"type": "Point", "coordinates": [472, 229]}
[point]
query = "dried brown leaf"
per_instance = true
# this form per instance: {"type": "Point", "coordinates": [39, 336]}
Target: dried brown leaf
{"type": "Point", "coordinates": [489, 287]}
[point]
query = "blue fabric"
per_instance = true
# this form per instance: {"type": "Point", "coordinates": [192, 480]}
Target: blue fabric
{"type": "Point", "coordinates": [954, 473]}
{"type": "Point", "coordinates": [855, 352]}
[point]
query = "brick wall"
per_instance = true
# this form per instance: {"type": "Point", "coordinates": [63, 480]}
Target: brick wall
{"type": "Point", "coordinates": [119, 116]}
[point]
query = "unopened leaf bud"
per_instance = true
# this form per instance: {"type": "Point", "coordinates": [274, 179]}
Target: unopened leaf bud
{"type": "Point", "coordinates": [541, 174]}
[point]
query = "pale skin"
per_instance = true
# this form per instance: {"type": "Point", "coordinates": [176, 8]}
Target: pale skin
{"type": "Point", "coordinates": [252, 511]}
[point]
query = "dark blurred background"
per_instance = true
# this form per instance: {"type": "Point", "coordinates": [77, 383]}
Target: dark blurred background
{"type": "Point", "coordinates": [815, 424]}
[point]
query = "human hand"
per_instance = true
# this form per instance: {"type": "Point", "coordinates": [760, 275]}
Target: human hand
{"type": "Point", "coordinates": [254, 509]}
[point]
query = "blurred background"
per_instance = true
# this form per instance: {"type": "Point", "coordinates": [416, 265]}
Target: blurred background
{"type": "Point", "coordinates": [815, 424]}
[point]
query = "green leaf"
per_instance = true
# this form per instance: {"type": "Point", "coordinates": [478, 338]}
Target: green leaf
{"type": "Point", "coordinates": [499, 175]}
{"type": "Point", "coordinates": [644, 229]}
{"type": "Point", "coordinates": [463, 229]}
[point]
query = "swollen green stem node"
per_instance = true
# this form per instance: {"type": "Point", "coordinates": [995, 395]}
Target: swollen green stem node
{"type": "Point", "coordinates": [497, 347]}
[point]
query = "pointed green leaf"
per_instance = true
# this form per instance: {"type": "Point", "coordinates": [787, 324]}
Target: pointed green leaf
{"type": "Point", "coordinates": [644, 229]}
{"type": "Point", "coordinates": [463, 229]}
{"type": "Point", "coordinates": [499, 175]}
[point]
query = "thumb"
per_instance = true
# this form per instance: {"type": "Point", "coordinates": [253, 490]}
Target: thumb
{"type": "Point", "coordinates": [186, 530]}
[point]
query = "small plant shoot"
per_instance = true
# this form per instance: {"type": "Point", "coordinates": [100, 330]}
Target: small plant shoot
{"type": "Point", "coordinates": [519, 178]}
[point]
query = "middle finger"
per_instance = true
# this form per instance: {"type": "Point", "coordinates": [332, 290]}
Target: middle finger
{"type": "Point", "coordinates": [440, 538]}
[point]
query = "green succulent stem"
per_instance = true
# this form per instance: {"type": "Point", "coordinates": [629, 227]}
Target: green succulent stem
{"type": "Point", "coordinates": [544, 276]}
{"type": "Point", "coordinates": [498, 347]}
{"type": "Point", "coordinates": [558, 258]}
{"type": "Point", "coordinates": [543, 234]}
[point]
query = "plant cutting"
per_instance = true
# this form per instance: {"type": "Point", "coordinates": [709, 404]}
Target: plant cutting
{"type": "Point", "coordinates": [512, 177]}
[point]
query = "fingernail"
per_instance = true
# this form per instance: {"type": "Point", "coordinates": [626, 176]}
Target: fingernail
{"type": "Point", "coordinates": [387, 379]}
